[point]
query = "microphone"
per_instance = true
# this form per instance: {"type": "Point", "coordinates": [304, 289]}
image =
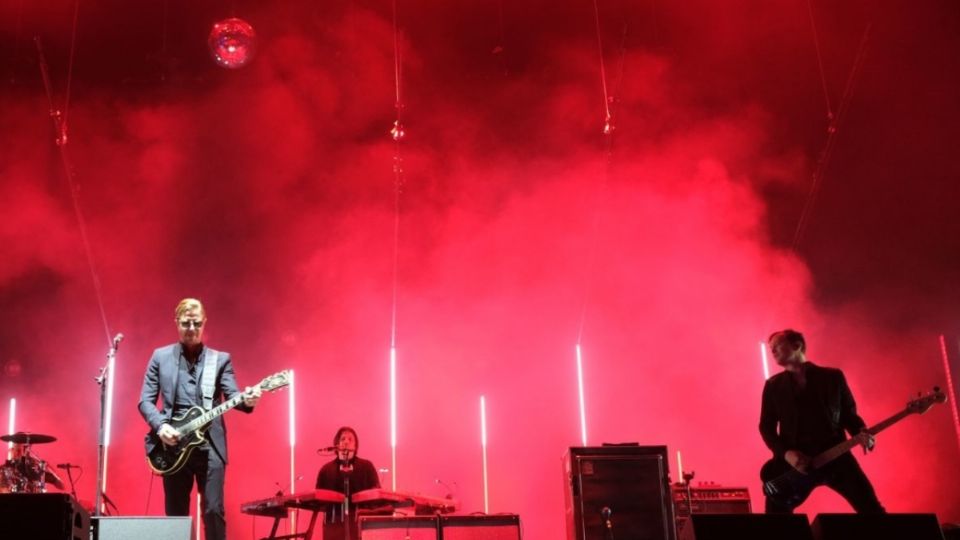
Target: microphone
{"type": "Point", "coordinates": [116, 340]}
{"type": "Point", "coordinates": [67, 466]}
{"type": "Point", "coordinates": [327, 449]}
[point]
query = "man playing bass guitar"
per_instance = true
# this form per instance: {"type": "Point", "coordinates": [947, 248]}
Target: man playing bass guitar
{"type": "Point", "coordinates": [812, 406]}
{"type": "Point", "coordinates": [184, 375]}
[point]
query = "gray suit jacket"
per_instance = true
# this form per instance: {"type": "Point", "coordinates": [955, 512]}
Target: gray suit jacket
{"type": "Point", "coordinates": [160, 381]}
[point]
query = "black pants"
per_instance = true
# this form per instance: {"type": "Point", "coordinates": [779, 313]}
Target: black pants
{"type": "Point", "coordinates": [844, 476]}
{"type": "Point", "coordinates": [208, 469]}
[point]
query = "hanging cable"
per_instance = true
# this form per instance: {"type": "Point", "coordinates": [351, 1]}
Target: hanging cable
{"type": "Point", "coordinates": [60, 127]}
{"type": "Point", "coordinates": [830, 143]}
{"type": "Point", "coordinates": [823, 75]}
{"type": "Point", "coordinates": [609, 109]}
{"type": "Point", "coordinates": [608, 119]}
{"type": "Point", "coordinates": [397, 133]}
{"type": "Point", "coordinates": [73, 50]}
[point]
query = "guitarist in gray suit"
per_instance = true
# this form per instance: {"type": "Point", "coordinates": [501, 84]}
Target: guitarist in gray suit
{"type": "Point", "coordinates": [805, 410]}
{"type": "Point", "coordinates": [184, 375]}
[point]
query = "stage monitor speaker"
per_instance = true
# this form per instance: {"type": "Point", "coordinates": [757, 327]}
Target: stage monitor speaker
{"type": "Point", "coordinates": [42, 516]}
{"type": "Point", "coordinates": [747, 527]}
{"type": "Point", "coordinates": [141, 528]}
{"type": "Point", "coordinates": [493, 527]}
{"type": "Point", "coordinates": [886, 526]}
{"type": "Point", "coordinates": [398, 528]}
{"type": "Point", "coordinates": [629, 482]}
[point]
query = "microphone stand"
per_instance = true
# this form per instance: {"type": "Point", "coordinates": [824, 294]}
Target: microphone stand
{"type": "Point", "coordinates": [102, 380]}
{"type": "Point", "coordinates": [73, 487]}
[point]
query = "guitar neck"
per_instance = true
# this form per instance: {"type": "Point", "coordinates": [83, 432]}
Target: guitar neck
{"type": "Point", "coordinates": [833, 453]}
{"type": "Point", "coordinates": [212, 414]}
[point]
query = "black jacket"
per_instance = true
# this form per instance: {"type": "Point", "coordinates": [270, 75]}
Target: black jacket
{"type": "Point", "coordinates": [779, 408]}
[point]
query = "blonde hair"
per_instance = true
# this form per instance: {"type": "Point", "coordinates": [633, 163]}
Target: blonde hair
{"type": "Point", "coordinates": [188, 304]}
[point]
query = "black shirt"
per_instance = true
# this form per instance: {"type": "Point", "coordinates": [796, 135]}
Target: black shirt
{"type": "Point", "coordinates": [189, 392]}
{"type": "Point", "coordinates": [814, 430]}
{"type": "Point", "coordinates": [363, 476]}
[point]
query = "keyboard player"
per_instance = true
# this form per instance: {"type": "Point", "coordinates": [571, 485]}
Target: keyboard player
{"type": "Point", "coordinates": [346, 473]}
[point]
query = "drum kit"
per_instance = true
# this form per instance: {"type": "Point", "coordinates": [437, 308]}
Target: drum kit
{"type": "Point", "coordinates": [25, 472]}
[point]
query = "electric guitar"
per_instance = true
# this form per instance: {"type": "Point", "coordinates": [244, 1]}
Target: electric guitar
{"type": "Point", "coordinates": [193, 425]}
{"type": "Point", "coordinates": [789, 487]}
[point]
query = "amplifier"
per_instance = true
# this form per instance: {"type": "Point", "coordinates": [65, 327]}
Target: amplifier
{"type": "Point", "coordinates": [42, 516]}
{"type": "Point", "coordinates": [629, 482]}
{"type": "Point", "coordinates": [398, 528]}
{"type": "Point", "coordinates": [711, 499]}
{"type": "Point", "coordinates": [492, 527]}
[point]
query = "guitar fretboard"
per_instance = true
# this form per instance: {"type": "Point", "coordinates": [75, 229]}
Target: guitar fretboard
{"type": "Point", "coordinates": [833, 453]}
{"type": "Point", "coordinates": [210, 415]}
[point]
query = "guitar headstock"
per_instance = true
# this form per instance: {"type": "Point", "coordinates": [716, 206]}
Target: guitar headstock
{"type": "Point", "coordinates": [276, 381]}
{"type": "Point", "coordinates": [921, 404]}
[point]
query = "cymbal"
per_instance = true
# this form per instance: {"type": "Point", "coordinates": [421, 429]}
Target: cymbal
{"type": "Point", "coordinates": [23, 437]}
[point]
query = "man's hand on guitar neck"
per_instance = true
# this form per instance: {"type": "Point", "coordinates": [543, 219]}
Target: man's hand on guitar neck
{"type": "Point", "coordinates": [168, 435]}
{"type": "Point", "coordinates": [866, 440]}
{"type": "Point", "coordinates": [798, 460]}
{"type": "Point", "coordinates": [251, 395]}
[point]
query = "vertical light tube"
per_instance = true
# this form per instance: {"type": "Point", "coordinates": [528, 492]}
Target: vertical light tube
{"type": "Point", "coordinates": [763, 360]}
{"type": "Point", "coordinates": [583, 409]}
{"type": "Point", "coordinates": [108, 421]}
{"type": "Point", "coordinates": [393, 417]}
{"type": "Point", "coordinates": [11, 425]}
{"type": "Point", "coordinates": [679, 467]}
{"type": "Point", "coordinates": [292, 408]}
{"type": "Point", "coordinates": [199, 518]}
{"type": "Point", "coordinates": [483, 447]}
{"type": "Point", "coordinates": [950, 387]}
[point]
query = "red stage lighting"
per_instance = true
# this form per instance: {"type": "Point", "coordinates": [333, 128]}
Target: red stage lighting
{"type": "Point", "coordinates": [232, 43]}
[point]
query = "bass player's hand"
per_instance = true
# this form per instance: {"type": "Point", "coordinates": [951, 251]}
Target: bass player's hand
{"type": "Point", "coordinates": [798, 460]}
{"type": "Point", "coordinates": [168, 435]}
{"type": "Point", "coordinates": [866, 440]}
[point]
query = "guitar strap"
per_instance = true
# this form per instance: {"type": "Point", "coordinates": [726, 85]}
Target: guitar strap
{"type": "Point", "coordinates": [208, 381]}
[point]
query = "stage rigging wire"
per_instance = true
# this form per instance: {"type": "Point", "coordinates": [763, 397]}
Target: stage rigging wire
{"type": "Point", "coordinates": [59, 118]}
{"type": "Point", "coordinates": [609, 111]}
{"type": "Point", "coordinates": [832, 130]}
{"type": "Point", "coordinates": [397, 133]}
{"type": "Point", "coordinates": [823, 75]}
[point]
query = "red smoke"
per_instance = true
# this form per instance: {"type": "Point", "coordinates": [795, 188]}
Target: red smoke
{"type": "Point", "coordinates": [269, 193]}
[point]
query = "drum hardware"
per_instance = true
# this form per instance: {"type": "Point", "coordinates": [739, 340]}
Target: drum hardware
{"type": "Point", "coordinates": [25, 472]}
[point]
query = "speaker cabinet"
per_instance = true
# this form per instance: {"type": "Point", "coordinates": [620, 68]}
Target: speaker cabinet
{"type": "Point", "coordinates": [629, 481]}
{"type": "Point", "coordinates": [398, 528]}
{"type": "Point", "coordinates": [886, 526]}
{"type": "Point", "coordinates": [494, 527]}
{"type": "Point", "coordinates": [142, 528]}
{"type": "Point", "coordinates": [747, 527]}
{"type": "Point", "coordinates": [42, 516]}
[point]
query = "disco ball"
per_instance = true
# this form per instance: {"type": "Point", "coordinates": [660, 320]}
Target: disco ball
{"type": "Point", "coordinates": [232, 43]}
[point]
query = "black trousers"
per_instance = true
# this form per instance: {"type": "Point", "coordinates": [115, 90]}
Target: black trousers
{"type": "Point", "coordinates": [208, 469]}
{"type": "Point", "coordinates": [844, 476]}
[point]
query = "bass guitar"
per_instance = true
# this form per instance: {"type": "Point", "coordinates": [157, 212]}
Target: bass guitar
{"type": "Point", "coordinates": [193, 425]}
{"type": "Point", "coordinates": [789, 487]}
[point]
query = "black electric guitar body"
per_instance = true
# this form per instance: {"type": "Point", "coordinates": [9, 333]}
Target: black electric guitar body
{"type": "Point", "coordinates": [193, 425]}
